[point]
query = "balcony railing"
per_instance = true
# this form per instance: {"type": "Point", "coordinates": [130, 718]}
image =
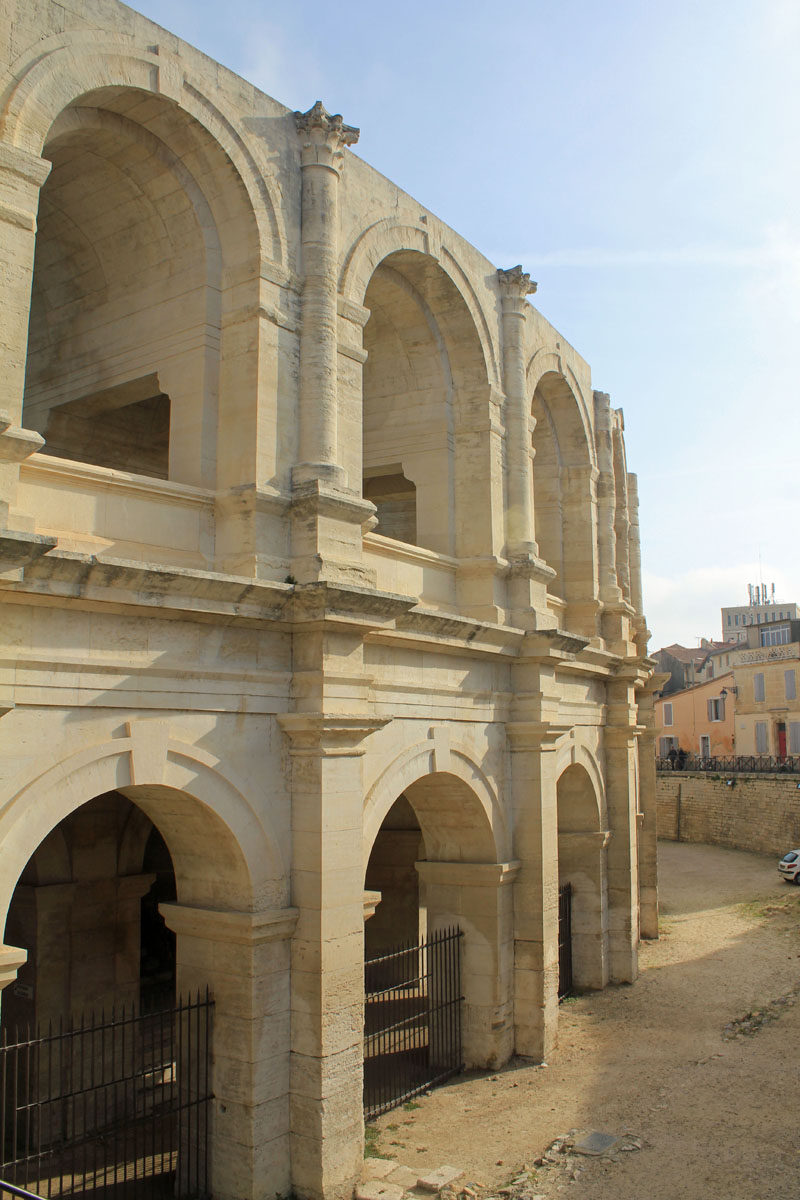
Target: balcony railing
{"type": "Point", "coordinates": [735, 764]}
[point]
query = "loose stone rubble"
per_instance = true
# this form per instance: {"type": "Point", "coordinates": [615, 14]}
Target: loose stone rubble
{"type": "Point", "coordinates": [564, 1159]}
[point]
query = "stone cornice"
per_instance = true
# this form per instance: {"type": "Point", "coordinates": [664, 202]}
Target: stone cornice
{"type": "Point", "coordinates": [548, 645]}
{"type": "Point", "coordinates": [11, 959]}
{"type": "Point", "coordinates": [535, 735]}
{"type": "Point", "coordinates": [468, 874]}
{"type": "Point", "coordinates": [328, 735]}
{"type": "Point", "coordinates": [19, 549]}
{"type": "Point", "coordinates": [217, 925]}
{"type": "Point", "coordinates": [16, 443]}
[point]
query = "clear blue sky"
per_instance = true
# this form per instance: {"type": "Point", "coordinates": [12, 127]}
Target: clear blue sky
{"type": "Point", "coordinates": [641, 160]}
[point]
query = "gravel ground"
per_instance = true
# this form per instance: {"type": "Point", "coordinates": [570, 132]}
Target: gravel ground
{"type": "Point", "coordinates": [694, 1065]}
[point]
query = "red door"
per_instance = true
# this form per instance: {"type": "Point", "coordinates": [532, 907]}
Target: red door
{"type": "Point", "coordinates": [781, 740]}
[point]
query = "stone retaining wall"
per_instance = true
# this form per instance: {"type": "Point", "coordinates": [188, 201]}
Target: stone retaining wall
{"type": "Point", "coordinates": [759, 812]}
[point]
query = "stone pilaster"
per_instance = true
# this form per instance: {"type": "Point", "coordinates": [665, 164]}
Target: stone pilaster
{"type": "Point", "coordinates": [327, 518]}
{"type": "Point", "coordinates": [323, 137]}
{"type": "Point", "coordinates": [620, 742]}
{"type": "Point", "coordinates": [610, 592]}
{"type": "Point", "coordinates": [528, 576]}
{"type": "Point", "coordinates": [243, 958]}
{"type": "Point", "coordinates": [534, 798]}
{"type": "Point", "coordinates": [622, 519]}
{"type": "Point", "coordinates": [515, 286]}
{"type": "Point", "coordinates": [648, 829]}
{"type": "Point", "coordinates": [21, 177]}
{"type": "Point", "coordinates": [328, 951]}
{"type": "Point", "coordinates": [478, 897]}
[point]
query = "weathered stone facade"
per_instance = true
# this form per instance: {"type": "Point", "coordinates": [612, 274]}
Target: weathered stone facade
{"type": "Point", "coordinates": [316, 539]}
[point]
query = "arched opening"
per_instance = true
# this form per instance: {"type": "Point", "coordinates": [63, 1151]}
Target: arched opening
{"type": "Point", "coordinates": [582, 866]}
{"type": "Point", "coordinates": [95, 907]}
{"type": "Point", "coordinates": [86, 910]}
{"type": "Point", "coordinates": [563, 509]}
{"type": "Point", "coordinates": [434, 865]}
{"type": "Point", "coordinates": [424, 367]}
{"type": "Point", "coordinates": [128, 301]}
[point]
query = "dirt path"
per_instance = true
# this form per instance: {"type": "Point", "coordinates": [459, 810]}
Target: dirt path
{"type": "Point", "coordinates": [715, 1105]}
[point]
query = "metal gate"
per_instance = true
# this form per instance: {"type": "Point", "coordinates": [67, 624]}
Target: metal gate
{"type": "Point", "coordinates": [565, 941]}
{"type": "Point", "coordinates": [110, 1107]}
{"type": "Point", "coordinates": [412, 1020]}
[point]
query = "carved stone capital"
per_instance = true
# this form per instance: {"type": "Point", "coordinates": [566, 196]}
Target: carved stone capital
{"type": "Point", "coordinates": [324, 136]}
{"type": "Point", "coordinates": [515, 285]}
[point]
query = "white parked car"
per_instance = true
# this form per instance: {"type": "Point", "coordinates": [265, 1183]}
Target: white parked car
{"type": "Point", "coordinates": [789, 867]}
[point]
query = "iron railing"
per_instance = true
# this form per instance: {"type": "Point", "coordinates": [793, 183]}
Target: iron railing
{"type": "Point", "coordinates": [564, 941]}
{"type": "Point", "coordinates": [118, 1104]}
{"type": "Point", "coordinates": [412, 1020]}
{"type": "Point", "coordinates": [735, 764]}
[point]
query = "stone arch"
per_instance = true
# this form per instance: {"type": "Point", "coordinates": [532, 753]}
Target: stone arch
{"type": "Point", "coordinates": [488, 839]}
{"type": "Point", "coordinates": [69, 65]}
{"type": "Point", "coordinates": [575, 753]}
{"type": "Point", "coordinates": [202, 814]}
{"type": "Point", "coordinates": [582, 865]}
{"type": "Point", "coordinates": [388, 236]}
{"type": "Point", "coordinates": [463, 880]}
{"type": "Point", "coordinates": [424, 377]}
{"type": "Point", "coordinates": [171, 395]}
{"type": "Point", "coordinates": [564, 483]}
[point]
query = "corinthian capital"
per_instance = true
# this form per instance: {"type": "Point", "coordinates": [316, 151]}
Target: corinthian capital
{"type": "Point", "coordinates": [515, 284]}
{"type": "Point", "coordinates": [324, 136]}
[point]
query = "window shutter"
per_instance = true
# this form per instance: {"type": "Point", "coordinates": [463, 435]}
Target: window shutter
{"type": "Point", "coordinates": [758, 686]}
{"type": "Point", "coordinates": [794, 737]}
{"type": "Point", "coordinates": [791, 685]}
{"type": "Point", "coordinates": [721, 708]}
{"type": "Point", "coordinates": [710, 709]}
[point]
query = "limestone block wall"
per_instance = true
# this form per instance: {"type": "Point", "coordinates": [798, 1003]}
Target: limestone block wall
{"type": "Point", "coordinates": [759, 813]}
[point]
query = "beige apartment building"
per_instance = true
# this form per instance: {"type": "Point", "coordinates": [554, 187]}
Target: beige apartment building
{"type": "Point", "coordinates": [698, 720]}
{"type": "Point", "coordinates": [321, 594]}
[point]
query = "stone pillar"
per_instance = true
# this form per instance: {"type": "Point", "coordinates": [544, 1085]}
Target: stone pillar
{"type": "Point", "coordinates": [515, 285]}
{"type": "Point", "coordinates": [21, 177]}
{"type": "Point", "coordinates": [582, 863]}
{"type": "Point", "coordinates": [622, 521]}
{"type": "Point", "coordinates": [243, 958]}
{"type": "Point", "coordinates": [327, 516]}
{"type": "Point", "coordinates": [606, 501]}
{"type": "Point", "coordinates": [323, 138]}
{"type": "Point", "coordinates": [648, 829]}
{"type": "Point", "coordinates": [528, 575]}
{"type": "Point", "coordinates": [477, 897]}
{"type": "Point", "coordinates": [620, 741]}
{"type": "Point", "coordinates": [534, 798]}
{"type": "Point", "coordinates": [327, 1120]}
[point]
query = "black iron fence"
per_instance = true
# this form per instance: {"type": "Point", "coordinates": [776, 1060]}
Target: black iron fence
{"type": "Point", "coordinates": [412, 1020]}
{"type": "Point", "coordinates": [110, 1106]}
{"type": "Point", "coordinates": [564, 941]}
{"type": "Point", "coordinates": [734, 764]}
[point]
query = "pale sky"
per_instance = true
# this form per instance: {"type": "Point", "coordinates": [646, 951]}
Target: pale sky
{"type": "Point", "coordinates": [641, 160]}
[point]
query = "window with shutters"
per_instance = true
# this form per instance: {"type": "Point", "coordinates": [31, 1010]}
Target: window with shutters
{"type": "Point", "coordinates": [667, 713]}
{"type": "Point", "coordinates": [665, 744]}
{"type": "Point", "coordinates": [758, 686]}
{"type": "Point", "coordinates": [790, 685]}
{"type": "Point", "coordinates": [794, 737]}
{"type": "Point", "coordinates": [761, 737]}
{"type": "Point", "coordinates": [716, 709]}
